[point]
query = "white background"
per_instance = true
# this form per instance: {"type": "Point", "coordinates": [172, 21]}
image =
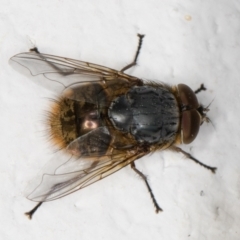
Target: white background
{"type": "Point", "coordinates": [189, 42]}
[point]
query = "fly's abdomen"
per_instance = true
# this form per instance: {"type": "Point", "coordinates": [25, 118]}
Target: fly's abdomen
{"type": "Point", "coordinates": [150, 114]}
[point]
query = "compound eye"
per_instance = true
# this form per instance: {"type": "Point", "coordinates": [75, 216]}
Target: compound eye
{"type": "Point", "coordinates": [187, 96]}
{"type": "Point", "coordinates": [191, 121]}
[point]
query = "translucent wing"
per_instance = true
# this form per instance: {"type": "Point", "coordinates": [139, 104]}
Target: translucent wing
{"type": "Point", "coordinates": [68, 174]}
{"type": "Point", "coordinates": [59, 73]}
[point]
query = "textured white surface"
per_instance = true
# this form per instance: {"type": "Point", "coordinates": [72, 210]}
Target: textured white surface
{"type": "Point", "coordinates": [192, 42]}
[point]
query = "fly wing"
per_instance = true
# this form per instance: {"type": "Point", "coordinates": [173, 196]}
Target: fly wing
{"type": "Point", "coordinates": [59, 73]}
{"type": "Point", "coordinates": [54, 186]}
{"type": "Point", "coordinates": [69, 173]}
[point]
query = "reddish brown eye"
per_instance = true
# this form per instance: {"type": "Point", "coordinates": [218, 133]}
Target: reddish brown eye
{"type": "Point", "coordinates": [187, 96]}
{"type": "Point", "coordinates": [191, 121]}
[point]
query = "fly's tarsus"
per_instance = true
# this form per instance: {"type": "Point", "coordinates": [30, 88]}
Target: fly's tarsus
{"type": "Point", "coordinates": [35, 49]}
{"type": "Point", "coordinates": [189, 156]}
{"type": "Point", "coordinates": [30, 213]}
{"type": "Point", "coordinates": [157, 208]}
{"type": "Point", "coordinates": [201, 88]}
{"type": "Point", "coordinates": [141, 36]}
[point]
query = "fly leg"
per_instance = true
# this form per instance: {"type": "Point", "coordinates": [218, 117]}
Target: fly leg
{"type": "Point", "coordinates": [141, 36]}
{"type": "Point", "coordinates": [35, 49]}
{"type": "Point", "coordinates": [158, 209]}
{"type": "Point", "coordinates": [30, 213]}
{"type": "Point", "coordinates": [201, 88]}
{"type": "Point", "coordinates": [188, 155]}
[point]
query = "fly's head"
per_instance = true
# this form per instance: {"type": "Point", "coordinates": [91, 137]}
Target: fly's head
{"type": "Point", "coordinates": [193, 114]}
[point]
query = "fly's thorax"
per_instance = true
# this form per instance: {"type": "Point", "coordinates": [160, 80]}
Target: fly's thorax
{"type": "Point", "coordinates": [150, 113]}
